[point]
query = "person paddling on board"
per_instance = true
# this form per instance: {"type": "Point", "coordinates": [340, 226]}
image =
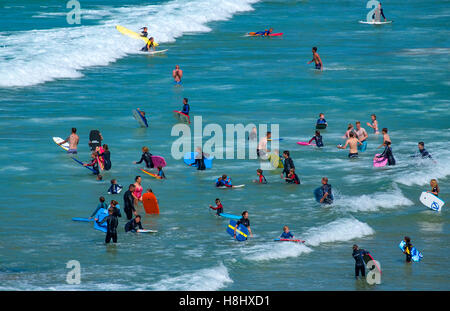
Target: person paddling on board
{"type": "Point", "coordinates": [144, 32]}
{"type": "Point", "coordinates": [327, 197]}
{"type": "Point", "coordinates": [353, 143]}
{"type": "Point", "coordinates": [73, 140]}
{"type": "Point", "coordinates": [378, 12]}
{"type": "Point", "coordinates": [360, 265]}
{"type": "Point", "coordinates": [317, 138]}
{"type": "Point", "coordinates": [264, 33]}
{"type": "Point", "coordinates": [151, 45]}
{"type": "Point", "coordinates": [146, 157]}
{"type": "Point", "coordinates": [261, 179]}
{"type": "Point", "coordinates": [223, 181]}
{"type": "Point", "coordinates": [134, 225]}
{"type": "Point", "coordinates": [316, 59]}
{"type": "Point", "coordinates": [245, 222]}
{"type": "Point", "coordinates": [177, 74]}
{"type": "Point", "coordinates": [186, 107]}
{"type": "Point", "coordinates": [286, 233]}
{"type": "Point", "coordinates": [218, 208]}
{"type": "Point", "coordinates": [111, 229]}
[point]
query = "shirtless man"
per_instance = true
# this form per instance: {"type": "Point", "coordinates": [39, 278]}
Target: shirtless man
{"type": "Point", "coordinates": [386, 137]}
{"type": "Point", "coordinates": [316, 59]}
{"type": "Point", "coordinates": [177, 74]}
{"type": "Point", "coordinates": [73, 140]}
{"type": "Point", "coordinates": [361, 133]}
{"type": "Point", "coordinates": [353, 142]}
{"type": "Point", "coordinates": [262, 150]}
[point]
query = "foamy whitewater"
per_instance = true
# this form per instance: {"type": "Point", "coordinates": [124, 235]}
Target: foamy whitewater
{"type": "Point", "coordinates": [55, 76]}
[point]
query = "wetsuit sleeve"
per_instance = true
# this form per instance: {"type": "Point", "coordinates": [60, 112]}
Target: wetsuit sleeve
{"type": "Point", "coordinates": [96, 210]}
{"type": "Point", "coordinates": [140, 225]}
{"type": "Point", "coordinates": [142, 159]}
{"type": "Point", "coordinates": [382, 13]}
{"type": "Point", "coordinates": [311, 140]}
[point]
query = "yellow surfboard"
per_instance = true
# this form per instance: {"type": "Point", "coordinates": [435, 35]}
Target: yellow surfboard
{"type": "Point", "coordinates": [132, 34]}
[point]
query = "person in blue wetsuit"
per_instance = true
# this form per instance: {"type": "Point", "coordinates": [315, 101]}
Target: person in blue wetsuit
{"type": "Point", "coordinates": [327, 197]}
{"type": "Point", "coordinates": [264, 33]}
{"type": "Point", "coordinates": [360, 265]}
{"type": "Point", "coordinates": [223, 181]}
{"type": "Point", "coordinates": [102, 204]}
{"type": "Point", "coordinates": [318, 139]}
{"type": "Point", "coordinates": [186, 107]}
{"type": "Point", "coordinates": [115, 187]}
{"type": "Point", "coordinates": [321, 119]}
{"type": "Point", "coordinates": [423, 152]}
{"type": "Point", "coordinates": [134, 225]}
{"type": "Point", "coordinates": [286, 233]}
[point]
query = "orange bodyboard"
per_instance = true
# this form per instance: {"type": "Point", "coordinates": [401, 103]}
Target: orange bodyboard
{"type": "Point", "coordinates": [150, 203]}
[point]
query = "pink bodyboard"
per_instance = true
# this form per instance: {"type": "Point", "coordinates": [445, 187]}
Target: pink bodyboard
{"type": "Point", "coordinates": [158, 161]}
{"type": "Point", "coordinates": [379, 162]}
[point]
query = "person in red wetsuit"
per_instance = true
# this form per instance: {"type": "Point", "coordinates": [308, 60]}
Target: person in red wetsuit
{"type": "Point", "coordinates": [261, 179]}
{"type": "Point", "coordinates": [218, 208]}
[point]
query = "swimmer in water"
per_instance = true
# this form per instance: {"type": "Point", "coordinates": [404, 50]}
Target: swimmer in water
{"type": "Point", "coordinates": [261, 178]}
{"type": "Point", "coordinates": [374, 124]}
{"type": "Point", "coordinates": [321, 119]}
{"type": "Point", "coordinates": [326, 190]}
{"type": "Point", "coordinates": [316, 59]}
{"type": "Point", "coordinates": [434, 187]}
{"type": "Point", "coordinates": [423, 152]}
{"type": "Point", "coordinates": [353, 142]}
{"type": "Point", "coordinates": [286, 233]}
{"type": "Point", "coordinates": [144, 32]}
{"type": "Point", "coordinates": [177, 74]}
{"type": "Point", "coordinates": [218, 208]}
{"type": "Point", "coordinates": [318, 139]}
{"type": "Point", "coordinates": [73, 140]}
{"type": "Point", "coordinates": [223, 181]}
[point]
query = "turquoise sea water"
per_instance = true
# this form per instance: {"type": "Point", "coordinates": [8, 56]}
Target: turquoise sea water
{"type": "Point", "coordinates": [55, 76]}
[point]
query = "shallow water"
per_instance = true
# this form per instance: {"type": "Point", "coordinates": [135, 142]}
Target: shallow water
{"type": "Point", "coordinates": [54, 76]}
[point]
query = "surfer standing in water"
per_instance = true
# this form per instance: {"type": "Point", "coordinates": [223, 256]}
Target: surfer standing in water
{"type": "Point", "coordinates": [374, 124]}
{"type": "Point", "coordinates": [353, 142]}
{"type": "Point", "coordinates": [316, 59]}
{"type": "Point", "coordinates": [358, 254]}
{"type": "Point", "coordinates": [177, 74]}
{"type": "Point", "coordinates": [73, 140]}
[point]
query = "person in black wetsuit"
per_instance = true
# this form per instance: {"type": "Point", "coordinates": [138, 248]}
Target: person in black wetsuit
{"type": "Point", "coordinates": [147, 157]}
{"type": "Point", "coordinates": [128, 200]}
{"type": "Point", "coordinates": [144, 32]}
{"type": "Point", "coordinates": [387, 154]}
{"type": "Point", "coordinates": [379, 10]}
{"type": "Point", "coordinates": [186, 107]}
{"type": "Point", "coordinates": [288, 164]}
{"type": "Point", "coordinates": [318, 139]}
{"type": "Point", "coordinates": [407, 249]}
{"type": "Point", "coordinates": [245, 222]}
{"type": "Point", "coordinates": [106, 155]}
{"type": "Point", "coordinates": [95, 139]}
{"type": "Point", "coordinates": [134, 224]}
{"type": "Point", "coordinates": [326, 190]}
{"type": "Point", "coordinates": [199, 160]}
{"type": "Point", "coordinates": [360, 265]}
{"type": "Point", "coordinates": [112, 223]}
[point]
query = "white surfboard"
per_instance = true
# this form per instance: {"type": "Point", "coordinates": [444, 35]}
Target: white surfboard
{"type": "Point", "coordinates": [141, 120]}
{"type": "Point", "coordinates": [146, 231]}
{"type": "Point", "coordinates": [237, 186]}
{"type": "Point", "coordinates": [375, 23]}
{"type": "Point", "coordinates": [431, 201]}
{"type": "Point", "coordinates": [157, 52]}
{"type": "Point", "coordinates": [58, 140]}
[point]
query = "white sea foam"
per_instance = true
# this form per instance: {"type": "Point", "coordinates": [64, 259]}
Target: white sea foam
{"type": "Point", "coordinates": [373, 202]}
{"type": "Point", "coordinates": [270, 251]}
{"type": "Point", "coordinates": [37, 56]}
{"type": "Point", "coordinates": [202, 280]}
{"type": "Point", "coordinates": [343, 229]}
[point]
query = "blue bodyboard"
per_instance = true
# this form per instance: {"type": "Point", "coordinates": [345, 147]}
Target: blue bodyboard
{"type": "Point", "coordinates": [189, 158]}
{"type": "Point", "coordinates": [230, 216]}
{"type": "Point", "coordinates": [362, 147]}
{"type": "Point", "coordinates": [89, 168]}
{"type": "Point", "coordinates": [416, 256]}
{"type": "Point", "coordinates": [241, 231]}
{"type": "Point", "coordinates": [101, 214]}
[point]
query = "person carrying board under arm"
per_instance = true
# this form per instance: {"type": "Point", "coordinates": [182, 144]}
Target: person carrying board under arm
{"type": "Point", "coordinates": [73, 140]}
{"type": "Point", "coordinates": [245, 222]}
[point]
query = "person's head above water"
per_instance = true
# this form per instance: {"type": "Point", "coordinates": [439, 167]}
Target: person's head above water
{"type": "Point", "coordinates": [351, 134]}
{"type": "Point", "coordinates": [137, 218]}
{"type": "Point", "coordinates": [138, 179]}
{"type": "Point", "coordinates": [358, 124]}
{"type": "Point", "coordinates": [355, 247]}
{"type": "Point", "coordinates": [177, 67]}
{"type": "Point", "coordinates": [317, 133]}
{"type": "Point", "coordinates": [321, 115]}
{"type": "Point", "coordinates": [350, 126]}
{"type": "Point", "coordinates": [224, 176]}
{"type": "Point", "coordinates": [324, 180]}
{"type": "Point", "coordinates": [185, 100]}
{"type": "Point", "coordinates": [217, 201]}
{"type": "Point", "coordinates": [286, 153]}
{"type": "Point", "coordinates": [245, 214]}
{"type": "Point", "coordinates": [259, 171]}
{"type": "Point", "coordinates": [314, 49]}
{"type": "Point", "coordinates": [145, 149]}
{"type": "Point", "coordinates": [433, 183]}
{"type": "Point", "coordinates": [384, 130]}
{"type": "Point", "coordinates": [286, 229]}
{"type": "Point", "coordinates": [421, 145]}
{"type": "Point", "coordinates": [373, 116]}
{"type": "Point", "coordinates": [131, 187]}
{"type": "Point", "coordinates": [74, 130]}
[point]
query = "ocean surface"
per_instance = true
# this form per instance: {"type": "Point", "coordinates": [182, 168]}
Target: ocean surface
{"type": "Point", "coordinates": [55, 76]}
